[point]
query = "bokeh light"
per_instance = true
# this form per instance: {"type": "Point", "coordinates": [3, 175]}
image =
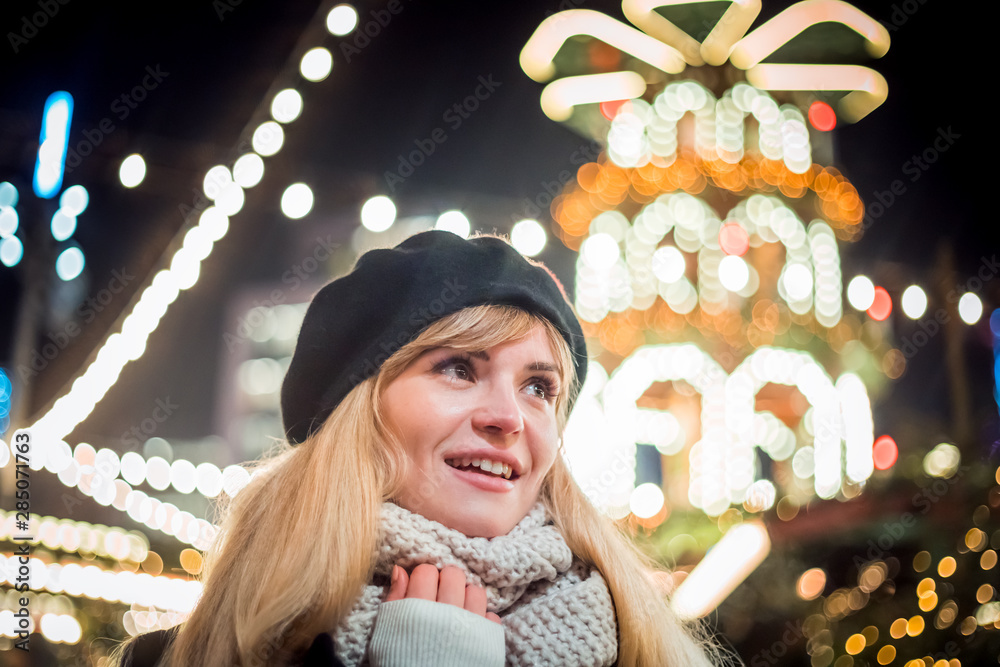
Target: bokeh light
{"type": "Point", "coordinates": [861, 292]}
{"type": "Point", "coordinates": [70, 263]}
{"type": "Point", "coordinates": [9, 221]}
{"type": "Point", "coordinates": [286, 105]}
{"type": "Point", "coordinates": [822, 116]}
{"type": "Point", "coordinates": [646, 500]}
{"type": "Point", "coordinates": [133, 171]}
{"type": "Point", "coordinates": [798, 281]}
{"type": "Point", "coordinates": [528, 237]}
{"type": "Point", "coordinates": [454, 222]}
{"type": "Point", "coordinates": [63, 225]}
{"type": "Point", "coordinates": [733, 239]}
{"type": "Point", "coordinates": [600, 251]}
{"type": "Point", "coordinates": [316, 64]}
{"type": "Point", "coordinates": [881, 306]}
{"type": "Point", "coordinates": [942, 461]}
{"type": "Point", "coordinates": [884, 452]}
{"type": "Point", "coordinates": [341, 20]}
{"type": "Point", "coordinates": [378, 213]}
{"type": "Point", "coordinates": [215, 180]}
{"type": "Point", "coordinates": [297, 201]}
{"type": "Point", "coordinates": [248, 170]}
{"type": "Point", "coordinates": [914, 302]}
{"type": "Point", "coordinates": [668, 264]}
{"type": "Point", "coordinates": [8, 194]}
{"type": "Point", "coordinates": [734, 274]}
{"type": "Point", "coordinates": [74, 200]}
{"type": "Point", "coordinates": [268, 138]}
{"type": "Point", "coordinates": [811, 583]}
{"type": "Point", "coordinates": [970, 308]}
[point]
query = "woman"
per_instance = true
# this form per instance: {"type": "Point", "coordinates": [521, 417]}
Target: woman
{"type": "Point", "coordinates": [420, 513]}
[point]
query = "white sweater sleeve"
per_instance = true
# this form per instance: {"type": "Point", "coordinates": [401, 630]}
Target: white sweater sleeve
{"type": "Point", "coordinates": [421, 633]}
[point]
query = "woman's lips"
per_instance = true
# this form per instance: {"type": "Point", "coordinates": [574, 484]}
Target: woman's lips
{"type": "Point", "coordinates": [482, 480]}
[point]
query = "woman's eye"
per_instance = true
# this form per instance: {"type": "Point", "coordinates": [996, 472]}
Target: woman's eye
{"type": "Point", "coordinates": [455, 367]}
{"type": "Point", "coordinates": [547, 389]}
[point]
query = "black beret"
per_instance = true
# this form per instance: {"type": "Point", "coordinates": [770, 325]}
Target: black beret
{"type": "Point", "coordinates": [359, 320]}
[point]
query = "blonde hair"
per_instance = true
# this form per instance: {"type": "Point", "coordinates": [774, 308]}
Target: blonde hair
{"type": "Point", "coordinates": [296, 545]}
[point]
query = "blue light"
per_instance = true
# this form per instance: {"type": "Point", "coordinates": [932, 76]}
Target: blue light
{"type": "Point", "coordinates": [74, 199]}
{"type": "Point", "coordinates": [52, 144]}
{"type": "Point", "coordinates": [11, 251]}
{"type": "Point", "coordinates": [995, 328]}
{"type": "Point", "coordinates": [5, 400]}
{"type": "Point", "coordinates": [8, 194]}
{"type": "Point", "coordinates": [70, 263]}
{"type": "Point", "coordinates": [63, 225]}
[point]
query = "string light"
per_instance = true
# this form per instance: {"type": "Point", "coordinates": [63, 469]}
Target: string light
{"type": "Point", "coordinates": [184, 267]}
{"type": "Point", "coordinates": [164, 592]}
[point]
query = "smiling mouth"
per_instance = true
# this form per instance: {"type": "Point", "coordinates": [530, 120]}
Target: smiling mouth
{"type": "Point", "coordinates": [484, 467]}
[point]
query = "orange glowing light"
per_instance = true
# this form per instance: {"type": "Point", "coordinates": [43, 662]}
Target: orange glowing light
{"type": "Point", "coordinates": [811, 583]}
{"type": "Point", "coordinates": [822, 116]}
{"type": "Point", "coordinates": [885, 452]}
{"type": "Point", "coordinates": [734, 239]}
{"type": "Point", "coordinates": [882, 305]}
{"type": "Point", "coordinates": [602, 186]}
{"type": "Point", "coordinates": [610, 109]}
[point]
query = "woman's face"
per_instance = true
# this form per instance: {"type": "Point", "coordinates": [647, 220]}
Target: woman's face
{"type": "Point", "coordinates": [454, 410]}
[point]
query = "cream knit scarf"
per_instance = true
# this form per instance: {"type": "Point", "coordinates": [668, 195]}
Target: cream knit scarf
{"type": "Point", "coordinates": [555, 610]}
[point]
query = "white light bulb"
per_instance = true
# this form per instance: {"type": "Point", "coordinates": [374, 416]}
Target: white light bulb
{"type": "Point", "coordinates": [646, 500]}
{"type": "Point", "coordinates": [454, 222]}
{"type": "Point", "coordinates": [861, 292]}
{"type": "Point", "coordinates": [297, 201]}
{"type": "Point", "coordinates": [798, 281]}
{"type": "Point", "coordinates": [316, 64]}
{"type": "Point", "coordinates": [914, 302]}
{"type": "Point", "coordinates": [286, 106]}
{"type": "Point", "coordinates": [248, 170]}
{"type": "Point", "coordinates": [528, 237]}
{"type": "Point", "coordinates": [970, 308]}
{"type": "Point", "coordinates": [70, 263]}
{"type": "Point", "coordinates": [341, 20]}
{"type": "Point", "coordinates": [668, 264]}
{"type": "Point", "coordinates": [268, 138]}
{"type": "Point", "coordinates": [600, 251]}
{"type": "Point", "coordinates": [733, 273]}
{"type": "Point", "coordinates": [378, 214]}
{"type": "Point", "coordinates": [133, 171]}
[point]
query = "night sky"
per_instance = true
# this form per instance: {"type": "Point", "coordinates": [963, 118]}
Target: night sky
{"type": "Point", "coordinates": [205, 67]}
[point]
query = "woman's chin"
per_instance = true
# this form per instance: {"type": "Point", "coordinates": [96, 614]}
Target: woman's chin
{"type": "Point", "coordinates": [474, 522]}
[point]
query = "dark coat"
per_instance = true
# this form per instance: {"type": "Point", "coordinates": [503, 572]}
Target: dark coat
{"type": "Point", "coordinates": [145, 650]}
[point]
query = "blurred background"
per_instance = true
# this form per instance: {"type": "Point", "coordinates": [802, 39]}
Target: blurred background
{"type": "Point", "coordinates": [772, 221]}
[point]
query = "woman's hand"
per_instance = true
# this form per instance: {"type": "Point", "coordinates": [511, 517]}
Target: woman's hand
{"type": "Point", "coordinates": [448, 587]}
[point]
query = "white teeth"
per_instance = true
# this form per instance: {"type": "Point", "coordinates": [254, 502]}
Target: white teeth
{"type": "Point", "coordinates": [494, 467]}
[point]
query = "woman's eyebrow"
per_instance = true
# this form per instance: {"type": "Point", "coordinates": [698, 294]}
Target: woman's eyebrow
{"type": "Point", "coordinates": [541, 366]}
{"type": "Point", "coordinates": [534, 366]}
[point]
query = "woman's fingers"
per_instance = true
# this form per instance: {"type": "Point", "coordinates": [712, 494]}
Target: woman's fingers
{"type": "Point", "coordinates": [475, 600]}
{"type": "Point", "coordinates": [397, 588]}
{"type": "Point", "coordinates": [447, 586]}
{"type": "Point", "coordinates": [423, 582]}
{"type": "Point", "coordinates": [451, 586]}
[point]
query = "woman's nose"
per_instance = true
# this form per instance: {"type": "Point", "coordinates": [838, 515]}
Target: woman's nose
{"type": "Point", "coordinates": [498, 410]}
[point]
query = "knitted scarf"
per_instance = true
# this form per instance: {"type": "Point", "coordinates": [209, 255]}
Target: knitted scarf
{"type": "Point", "coordinates": [555, 609]}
